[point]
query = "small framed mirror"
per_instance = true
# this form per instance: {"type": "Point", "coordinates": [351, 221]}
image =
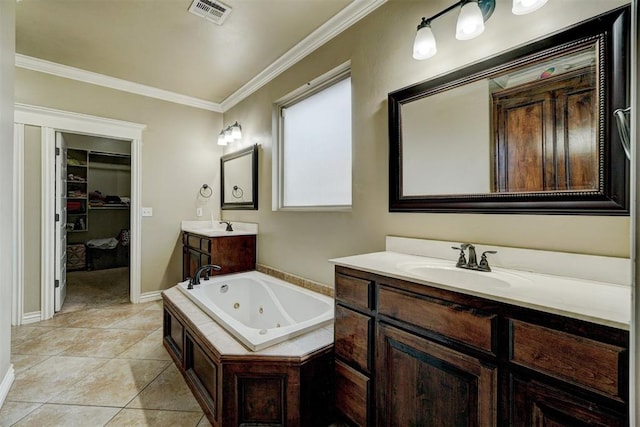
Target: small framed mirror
{"type": "Point", "coordinates": [528, 131]}
{"type": "Point", "coordinates": [239, 179]}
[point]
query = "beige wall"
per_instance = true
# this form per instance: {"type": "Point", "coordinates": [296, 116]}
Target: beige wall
{"type": "Point", "coordinates": [179, 154]}
{"type": "Point", "coordinates": [32, 218]}
{"type": "Point", "coordinates": [380, 48]}
{"type": "Point", "coordinates": [7, 236]}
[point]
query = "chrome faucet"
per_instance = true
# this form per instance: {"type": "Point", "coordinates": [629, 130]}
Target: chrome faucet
{"type": "Point", "coordinates": [205, 268]}
{"type": "Point", "coordinates": [229, 228]}
{"type": "Point", "coordinates": [472, 263]}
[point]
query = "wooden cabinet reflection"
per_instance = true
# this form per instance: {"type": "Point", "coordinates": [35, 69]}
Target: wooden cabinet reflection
{"type": "Point", "coordinates": [546, 134]}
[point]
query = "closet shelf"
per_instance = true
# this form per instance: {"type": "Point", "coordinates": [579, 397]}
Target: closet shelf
{"type": "Point", "coordinates": [109, 206]}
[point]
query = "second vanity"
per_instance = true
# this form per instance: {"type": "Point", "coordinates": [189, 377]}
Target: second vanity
{"type": "Point", "coordinates": [211, 242]}
{"type": "Point", "coordinates": [420, 342]}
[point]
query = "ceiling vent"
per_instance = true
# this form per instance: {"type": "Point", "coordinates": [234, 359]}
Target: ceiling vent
{"type": "Point", "coordinates": [211, 10]}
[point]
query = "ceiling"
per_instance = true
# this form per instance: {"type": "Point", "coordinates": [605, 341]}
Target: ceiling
{"type": "Point", "coordinates": [158, 43]}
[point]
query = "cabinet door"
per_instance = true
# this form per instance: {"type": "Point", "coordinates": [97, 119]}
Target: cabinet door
{"type": "Point", "coordinates": [193, 260]}
{"type": "Point", "coordinates": [202, 375]}
{"type": "Point", "coordinates": [173, 336]}
{"type": "Point", "coordinates": [537, 404]}
{"type": "Point", "coordinates": [420, 383]}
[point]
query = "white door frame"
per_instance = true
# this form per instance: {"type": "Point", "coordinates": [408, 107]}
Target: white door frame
{"type": "Point", "coordinates": [52, 121]}
{"type": "Point", "coordinates": [18, 225]}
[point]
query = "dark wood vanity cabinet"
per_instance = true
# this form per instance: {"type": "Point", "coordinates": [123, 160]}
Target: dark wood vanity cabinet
{"type": "Point", "coordinates": [409, 354]}
{"type": "Point", "coordinates": [233, 253]}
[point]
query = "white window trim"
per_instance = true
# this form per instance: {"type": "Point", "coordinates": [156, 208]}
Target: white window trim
{"type": "Point", "coordinates": [308, 89]}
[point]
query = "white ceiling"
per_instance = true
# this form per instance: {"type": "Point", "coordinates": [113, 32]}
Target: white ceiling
{"type": "Point", "coordinates": [158, 43]}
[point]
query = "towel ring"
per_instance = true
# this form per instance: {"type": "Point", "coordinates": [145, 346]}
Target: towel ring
{"type": "Point", "coordinates": [237, 192]}
{"type": "Point", "coordinates": [206, 191]}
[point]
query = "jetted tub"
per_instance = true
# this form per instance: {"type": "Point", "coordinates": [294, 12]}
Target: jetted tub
{"type": "Point", "coordinates": [258, 309]}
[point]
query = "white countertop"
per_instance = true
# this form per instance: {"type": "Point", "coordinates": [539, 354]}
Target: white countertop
{"type": "Point", "coordinates": [215, 229]}
{"type": "Point", "coordinates": [598, 302]}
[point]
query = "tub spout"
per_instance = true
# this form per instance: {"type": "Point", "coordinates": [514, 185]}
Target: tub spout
{"type": "Point", "coordinates": [204, 269]}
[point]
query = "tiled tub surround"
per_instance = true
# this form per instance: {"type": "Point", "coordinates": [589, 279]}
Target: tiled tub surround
{"type": "Point", "coordinates": [585, 287]}
{"type": "Point", "coordinates": [285, 384]}
{"type": "Point", "coordinates": [95, 367]}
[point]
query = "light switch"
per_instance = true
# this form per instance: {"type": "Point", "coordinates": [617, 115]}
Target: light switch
{"type": "Point", "coordinates": [198, 211]}
{"type": "Point", "coordinates": [147, 211]}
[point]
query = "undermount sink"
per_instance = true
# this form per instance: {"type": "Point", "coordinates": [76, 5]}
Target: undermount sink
{"type": "Point", "coordinates": [445, 273]}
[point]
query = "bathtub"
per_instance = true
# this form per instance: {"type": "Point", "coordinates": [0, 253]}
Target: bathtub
{"type": "Point", "coordinates": [260, 310]}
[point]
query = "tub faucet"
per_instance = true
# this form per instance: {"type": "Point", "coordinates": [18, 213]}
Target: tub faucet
{"type": "Point", "coordinates": [229, 228]}
{"type": "Point", "coordinates": [205, 268]}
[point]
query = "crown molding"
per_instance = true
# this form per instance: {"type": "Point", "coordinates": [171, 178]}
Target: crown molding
{"type": "Point", "coordinates": [327, 31]}
{"type": "Point", "coordinates": [348, 16]}
{"type": "Point", "coordinates": [48, 67]}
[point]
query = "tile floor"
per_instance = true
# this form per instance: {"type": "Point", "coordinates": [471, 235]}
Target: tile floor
{"type": "Point", "coordinates": [100, 366]}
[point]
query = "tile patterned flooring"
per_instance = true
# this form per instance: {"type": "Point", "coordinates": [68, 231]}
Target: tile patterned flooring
{"type": "Point", "coordinates": [103, 366]}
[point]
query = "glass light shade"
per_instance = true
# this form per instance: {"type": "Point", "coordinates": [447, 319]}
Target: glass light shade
{"type": "Point", "coordinates": [236, 131]}
{"type": "Point", "coordinates": [470, 21]}
{"type": "Point", "coordinates": [522, 7]}
{"type": "Point", "coordinates": [424, 45]}
{"type": "Point", "coordinates": [221, 139]}
{"type": "Point", "coordinates": [227, 135]}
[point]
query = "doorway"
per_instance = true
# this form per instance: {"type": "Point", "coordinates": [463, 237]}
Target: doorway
{"type": "Point", "coordinates": [93, 199]}
{"type": "Point", "coordinates": [50, 122]}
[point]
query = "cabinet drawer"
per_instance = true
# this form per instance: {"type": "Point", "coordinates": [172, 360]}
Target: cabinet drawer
{"type": "Point", "coordinates": [572, 358]}
{"type": "Point", "coordinates": [352, 394]}
{"type": "Point", "coordinates": [352, 290]}
{"type": "Point", "coordinates": [352, 337]}
{"type": "Point", "coordinates": [464, 324]}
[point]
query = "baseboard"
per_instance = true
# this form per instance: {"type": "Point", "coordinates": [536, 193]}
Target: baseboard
{"type": "Point", "coordinates": [6, 383]}
{"type": "Point", "coordinates": [150, 296]}
{"type": "Point", "coordinates": [33, 317]}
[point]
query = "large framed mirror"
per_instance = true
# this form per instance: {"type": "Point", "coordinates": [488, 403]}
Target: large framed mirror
{"type": "Point", "coordinates": [528, 131]}
{"type": "Point", "coordinates": [239, 179]}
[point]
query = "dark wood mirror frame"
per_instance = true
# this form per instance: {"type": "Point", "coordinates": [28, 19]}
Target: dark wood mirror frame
{"type": "Point", "coordinates": [611, 31]}
{"type": "Point", "coordinates": [253, 204]}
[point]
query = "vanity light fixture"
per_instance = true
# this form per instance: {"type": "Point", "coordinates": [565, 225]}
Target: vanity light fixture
{"type": "Point", "coordinates": [522, 7]}
{"type": "Point", "coordinates": [221, 138]}
{"type": "Point", "coordinates": [229, 134]}
{"type": "Point", "coordinates": [470, 21]}
{"type": "Point", "coordinates": [470, 24]}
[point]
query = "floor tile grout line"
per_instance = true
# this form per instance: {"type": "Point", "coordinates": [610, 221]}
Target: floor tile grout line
{"type": "Point", "coordinates": [28, 413]}
{"type": "Point", "coordinates": [146, 386]}
{"type": "Point", "coordinates": [65, 323]}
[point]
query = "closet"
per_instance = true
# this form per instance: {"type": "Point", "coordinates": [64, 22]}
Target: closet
{"type": "Point", "coordinates": [98, 191]}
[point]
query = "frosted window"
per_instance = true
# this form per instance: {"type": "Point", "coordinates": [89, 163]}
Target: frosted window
{"type": "Point", "coordinates": [316, 149]}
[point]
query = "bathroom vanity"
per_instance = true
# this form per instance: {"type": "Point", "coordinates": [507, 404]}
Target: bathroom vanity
{"type": "Point", "coordinates": [204, 243]}
{"type": "Point", "coordinates": [416, 351]}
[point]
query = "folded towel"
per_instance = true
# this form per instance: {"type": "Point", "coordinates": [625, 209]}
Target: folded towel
{"type": "Point", "coordinates": [107, 243]}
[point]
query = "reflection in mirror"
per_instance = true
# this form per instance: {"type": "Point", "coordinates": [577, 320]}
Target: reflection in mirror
{"type": "Point", "coordinates": [239, 181]}
{"type": "Point", "coordinates": [545, 121]}
{"type": "Point", "coordinates": [526, 131]}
